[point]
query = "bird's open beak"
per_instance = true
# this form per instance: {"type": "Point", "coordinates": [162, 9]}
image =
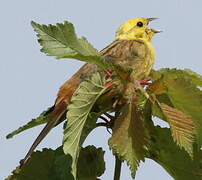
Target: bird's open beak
{"type": "Point", "coordinates": [153, 30]}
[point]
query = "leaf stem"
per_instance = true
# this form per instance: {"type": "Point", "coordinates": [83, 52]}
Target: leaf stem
{"type": "Point", "coordinates": [117, 171]}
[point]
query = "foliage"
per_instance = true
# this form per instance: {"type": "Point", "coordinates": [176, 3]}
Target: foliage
{"type": "Point", "coordinates": [79, 125]}
{"type": "Point", "coordinates": [181, 92]}
{"type": "Point", "coordinates": [173, 96]}
{"type": "Point", "coordinates": [181, 126]}
{"type": "Point", "coordinates": [54, 164]}
{"type": "Point", "coordinates": [129, 138]}
{"type": "Point", "coordinates": [175, 161]}
{"type": "Point", "coordinates": [60, 40]}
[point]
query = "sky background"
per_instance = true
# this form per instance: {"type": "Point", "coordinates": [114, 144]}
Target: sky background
{"type": "Point", "coordinates": [30, 79]}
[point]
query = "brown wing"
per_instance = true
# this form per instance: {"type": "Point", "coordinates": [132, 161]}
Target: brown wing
{"type": "Point", "coordinates": [126, 52]}
{"type": "Point", "coordinates": [67, 89]}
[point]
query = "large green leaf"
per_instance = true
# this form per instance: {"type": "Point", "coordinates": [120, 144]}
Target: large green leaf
{"type": "Point", "coordinates": [174, 73]}
{"type": "Point", "coordinates": [55, 165]}
{"type": "Point", "coordinates": [60, 40]}
{"type": "Point", "coordinates": [175, 160]}
{"type": "Point", "coordinates": [46, 165]}
{"type": "Point", "coordinates": [129, 139]}
{"type": "Point", "coordinates": [187, 98]}
{"type": "Point", "coordinates": [79, 122]}
{"type": "Point", "coordinates": [43, 118]}
{"type": "Point", "coordinates": [183, 94]}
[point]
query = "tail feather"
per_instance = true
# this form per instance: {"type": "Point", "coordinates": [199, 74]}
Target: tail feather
{"type": "Point", "coordinates": [55, 117]}
{"type": "Point", "coordinates": [63, 98]}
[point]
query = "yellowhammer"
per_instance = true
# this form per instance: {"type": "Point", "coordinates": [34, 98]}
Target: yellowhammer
{"type": "Point", "coordinates": [131, 48]}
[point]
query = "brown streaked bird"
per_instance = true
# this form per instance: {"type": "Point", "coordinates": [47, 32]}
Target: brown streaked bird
{"type": "Point", "coordinates": [131, 48]}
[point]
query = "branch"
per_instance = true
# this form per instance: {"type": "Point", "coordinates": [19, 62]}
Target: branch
{"type": "Point", "coordinates": [101, 124]}
{"type": "Point", "coordinates": [117, 171]}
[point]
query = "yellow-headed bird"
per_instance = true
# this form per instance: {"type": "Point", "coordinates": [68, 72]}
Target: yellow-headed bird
{"type": "Point", "coordinates": [131, 48]}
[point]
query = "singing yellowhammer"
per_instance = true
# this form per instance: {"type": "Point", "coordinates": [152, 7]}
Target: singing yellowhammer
{"type": "Point", "coordinates": [131, 48]}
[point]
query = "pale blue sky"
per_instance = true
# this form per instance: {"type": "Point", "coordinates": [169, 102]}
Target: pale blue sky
{"type": "Point", "coordinates": [30, 80]}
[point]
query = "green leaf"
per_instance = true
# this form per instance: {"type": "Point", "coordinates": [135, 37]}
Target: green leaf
{"type": "Point", "coordinates": [188, 74]}
{"type": "Point", "coordinates": [173, 159]}
{"type": "Point", "coordinates": [183, 93]}
{"type": "Point", "coordinates": [43, 118]}
{"type": "Point", "coordinates": [187, 98]}
{"type": "Point", "coordinates": [60, 40]}
{"type": "Point", "coordinates": [182, 127]}
{"type": "Point", "coordinates": [46, 165]}
{"type": "Point", "coordinates": [55, 165]}
{"type": "Point", "coordinates": [90, 163]}
{"type": "Point", "coordinates": [196, 78]}
{"type": "Point", "coordinates": [79, 122]}
{"type": "Point", "coordinates": [129, 138]}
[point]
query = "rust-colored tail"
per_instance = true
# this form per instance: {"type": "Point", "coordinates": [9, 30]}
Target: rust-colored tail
{"type": "Point", "coordinates": [55, 116]}
{"type": "Point", "coordinates": [63, 98]}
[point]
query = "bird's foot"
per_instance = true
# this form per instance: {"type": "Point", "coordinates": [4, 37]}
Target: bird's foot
{"type": "Point", "coordinates": [108, 85]}
{"type": "Point", "coordinates": [108, 74]}
{"type": "Point", "coordinates": [108, 78]}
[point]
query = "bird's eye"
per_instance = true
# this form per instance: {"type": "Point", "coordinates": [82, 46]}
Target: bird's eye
{"type": "Point", "coordinates": [139, 24]}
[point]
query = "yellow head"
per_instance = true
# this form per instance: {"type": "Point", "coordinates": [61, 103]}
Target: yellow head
{"type": "Point", "coordinates": [136, 29]}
